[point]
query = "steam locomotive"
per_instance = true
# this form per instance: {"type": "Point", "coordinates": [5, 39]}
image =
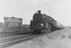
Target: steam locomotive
{"type": "Point", "coordinates": [48, 25]}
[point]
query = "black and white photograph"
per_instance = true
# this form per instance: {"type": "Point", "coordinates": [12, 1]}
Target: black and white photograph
{"type": "Point", "coordinates": [35, 24]}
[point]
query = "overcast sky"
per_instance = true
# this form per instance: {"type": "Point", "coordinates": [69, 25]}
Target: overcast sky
{"type": "Point", "coordinates": [58, 9]}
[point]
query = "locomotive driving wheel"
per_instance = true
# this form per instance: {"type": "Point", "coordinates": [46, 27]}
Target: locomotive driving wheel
{"type": "Point", "coordinates": [47, 28]}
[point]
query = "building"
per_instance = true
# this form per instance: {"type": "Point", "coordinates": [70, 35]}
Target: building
{"type": "Point", "coordinates": [12, 21]}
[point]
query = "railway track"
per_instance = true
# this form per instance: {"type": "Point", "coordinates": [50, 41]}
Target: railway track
{"type": "Point", "coordinates": [9, 41]}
